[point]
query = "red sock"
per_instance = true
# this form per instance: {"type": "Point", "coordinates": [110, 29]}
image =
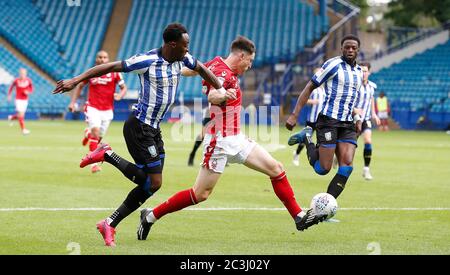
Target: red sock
{"type": "Point", "coordinates": [93, 143]}
{"type": "Point", "coordinates": [22, 123]}
{"type": "Point", "coordinates": [177, 202]}
{"type": "Point", "coordinates": [13, 117]}
{"type": "Point", "coordinates": [284, 192]}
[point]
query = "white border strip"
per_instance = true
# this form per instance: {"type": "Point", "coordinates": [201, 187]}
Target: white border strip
{"type": "Point", "coordinates": [28, 209]}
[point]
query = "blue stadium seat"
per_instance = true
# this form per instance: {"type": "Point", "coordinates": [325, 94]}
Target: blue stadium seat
{"type": "Point", "coordinates": [276, 27]}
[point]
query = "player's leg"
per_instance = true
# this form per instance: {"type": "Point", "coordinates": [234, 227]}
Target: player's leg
{"type": "Point", "coordinates": [21, 108]}
{"type": "Point", "coordinates": [345, 151]}
{"type": "Point", "coordinates": [207, 178]}
{"type": "Point", "coordinates": [320, 156]}
{"type": "Point", "coordinates": [367, 135]}
{"type": "Point", "coordinates": [198, 141]}
{"type": "Point", "coordinates": [260, 160]}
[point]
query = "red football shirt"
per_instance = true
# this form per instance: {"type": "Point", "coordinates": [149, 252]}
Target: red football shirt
{"type": "Point", "coordinates": [23, 86]}
{"type": "Point", "coordinates": [226, 117]}
{"type": "Point", "coordinates": [102, 89]}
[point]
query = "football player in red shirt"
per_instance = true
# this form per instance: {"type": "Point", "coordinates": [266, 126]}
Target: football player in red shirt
{"type": "Point", "coordinates": [24, 87]}
{"type": "Point", "coordinates": [225, 143]}
{"type": "Point", "coordinates": [100, 104]}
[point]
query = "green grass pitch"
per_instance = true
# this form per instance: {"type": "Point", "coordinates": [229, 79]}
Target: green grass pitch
{"type": "Point", "coordinates": [404, 210]}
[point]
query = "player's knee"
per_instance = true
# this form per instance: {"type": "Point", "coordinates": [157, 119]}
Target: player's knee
{"type": "Point", "coordinates": [322, 170]}
{"type": "Point", "coordinates": [275, 169]}
{"type": "Point", "coordinates": [155, 184]}
{"type": "Point", "coordinates": [202, 195]}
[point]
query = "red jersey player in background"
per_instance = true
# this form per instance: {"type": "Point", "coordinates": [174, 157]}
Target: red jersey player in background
{"type": "Point", "coordinates": [24, 87]}
{"type": "Point", "coordinates": [225, 143]}
{"type": "Point", "coordinates": [100, 104]}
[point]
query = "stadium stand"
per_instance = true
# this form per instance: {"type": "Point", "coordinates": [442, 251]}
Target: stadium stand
{"type": "Point", "coordinates": [418, 86]}
{"type": "Point", "coordinates": [39, 30]}
{"type": "Point", "coordinates": [41, 101]}
{"type": "Point", "coordinates": [278, 35]}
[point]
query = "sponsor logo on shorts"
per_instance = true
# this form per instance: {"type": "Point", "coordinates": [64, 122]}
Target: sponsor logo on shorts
{"type": "Point", "coordinates": [328, 136]}
{"type": "Point", "coordinates": [152, 151]}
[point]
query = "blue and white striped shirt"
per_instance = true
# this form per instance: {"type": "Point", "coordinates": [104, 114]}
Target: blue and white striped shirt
{"type": "Point", "coordinates": [341, 83]}
{"type": "Point", "coordinates": [159, 82]}
{"type": "Point", "coordinates": [318, 94]}
{"type": "Point", "coordinates": [365, 99]}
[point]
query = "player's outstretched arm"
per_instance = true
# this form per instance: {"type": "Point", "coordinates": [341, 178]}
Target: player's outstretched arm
{"type": "Point", "coordinates": [188, 72]}
{"type": "Point", "coordinates": [63, 86]}
{"type": "Point", "coordinates": [10, 90]}
{"type": "Point", "coordinates": [301, 101]}
{"type": "Point", "coordinates": [208, 76]}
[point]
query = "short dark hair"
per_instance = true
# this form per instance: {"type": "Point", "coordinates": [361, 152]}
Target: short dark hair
{"type": "Point", "coordinates": [173, 32]}
{"type": "Point", "coordinates": [365, 64]}
{"type": "Point", "coordinates": [244, 44]}
{"type": "Point", "coordinates": [350, 37]}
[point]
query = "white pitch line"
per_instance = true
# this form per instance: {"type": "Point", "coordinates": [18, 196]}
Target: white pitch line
{"type": "Point", "coordinates": [26, 209]}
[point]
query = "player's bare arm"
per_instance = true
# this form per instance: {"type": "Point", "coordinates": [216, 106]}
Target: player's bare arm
{"type": "Point", "coordinates": [122, 92]}
{"type": "Point", "coordinates": [76, 94]}
{"type": "Point", "coordinates": [207, 75]}
{"type": "Point", "coordinates": [312, 102]}
{"type": "Point", "coordinates": [188, 72]}
{"type": "Point", "coordinates": [217, 97]}
{"type": "Point", "coordinates": [63, 86]}
{"type": "Point", "coordinates": [301, 101]}
{"type": "Point", "coordinates": [357, 118]}
{"type": "Point", "coordinates": [374, 113]}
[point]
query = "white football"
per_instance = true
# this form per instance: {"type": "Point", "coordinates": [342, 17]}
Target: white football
{"type": "Point", "coordinates": [324, 204]}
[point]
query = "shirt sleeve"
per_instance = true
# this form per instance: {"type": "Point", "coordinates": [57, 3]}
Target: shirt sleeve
{"type": "Point", "coordinates": [137, 64]}
{"type": "Point", "coordinates": [119, 79]}
{"type": "Point", "coordinates": [328, 70]}
{"type": "Point", "coordinates": [189, 61]}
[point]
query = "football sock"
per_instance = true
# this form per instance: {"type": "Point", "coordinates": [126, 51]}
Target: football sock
{"type": "Point", "coordinates": [13, 117]}
{"type": "Point", "coordinates": [319, 170]}
{"type": "Point", "coordinates": [22, 122]}
{"type": "Point", "coordinates": [284, 192]}
{"type": "Point", "coordinates": [337, 184]}
{"type": "Point", "coordinates": [177, 202]}
{"type": "Point", "coordinates": [312, 152]}
{"type": "Point", "coordinates": [128, 169]}
{"type": "Point", "coordinates": [196, 145]}
{"type": "Point", "coordinates": [135, 198]}
{"type": "Point", "coordinates": [93, 143]}
{"type": "Point", "coordinates": [367, 154]}
{"type": "Point", "coordinates": [300, 148]}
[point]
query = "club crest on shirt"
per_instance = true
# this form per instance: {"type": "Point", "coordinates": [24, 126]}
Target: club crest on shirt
{"type": "Point", "coordinates": [328, 136]}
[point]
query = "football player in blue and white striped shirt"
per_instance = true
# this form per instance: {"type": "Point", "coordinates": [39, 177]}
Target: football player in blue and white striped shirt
{"type": "Point", "coordinates": [316, 102]}
{"type": "Point", "coordinates": [366, 103]}
{"type": "Point", "coordinates": [339, 121]}
{"type": "Point", "coordinates": [159, 72]}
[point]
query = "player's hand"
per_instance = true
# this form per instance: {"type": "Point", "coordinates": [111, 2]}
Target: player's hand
{"type": "Point", "coordinates": [291, 122]}
{"type": "Point", "coordinates": [64, 86]}
{"type": "Point", "coordinates": [358, 128]}
{"type": "Point", "coordinates": [71, 107]}
{"type": "Point", "coordinates": [377, 120]}
{"type": "Point", "coordinates": [118, 97]}
{"type": "Point", "coordinates": [230, 94]}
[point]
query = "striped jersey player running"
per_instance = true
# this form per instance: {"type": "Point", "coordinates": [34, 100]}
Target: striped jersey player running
{"type": "Point", "coordinates": [224, 143]}
{"type": "Point", "coordinates": [159, 71]}
{"type": "Point", "coordinates": [339, 122]}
